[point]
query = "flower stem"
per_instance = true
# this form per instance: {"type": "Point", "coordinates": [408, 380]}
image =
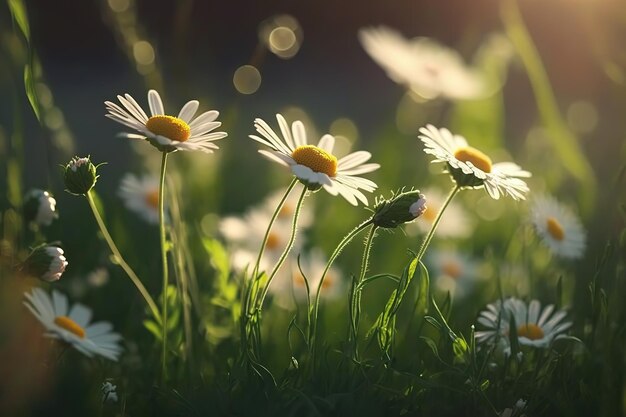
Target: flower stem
{"type": "Point", "coordinates": [120, 260]}
{"type": "Point", "coordinates": [431, 232]}
{"type": "Point", "coordinates": [313, 313]}
{"type": "Point", "coordinates": [288, 248]}
{"type": "Point", "coordinates": [164, 263]}
{"type": "Point", "coordinates": [250, 293]}
{"type": "Point", "coordinates": [355, 294]}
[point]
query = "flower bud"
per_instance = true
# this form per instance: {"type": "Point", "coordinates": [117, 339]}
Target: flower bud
{"type": "Point", "coordinates": [46, 262]}
{"type": "Point", "coordinates": [80, 175]}
{"type": "Point", "coordinates": [39, 207]}
{"type": "Point", "coordinates": [401, 208]}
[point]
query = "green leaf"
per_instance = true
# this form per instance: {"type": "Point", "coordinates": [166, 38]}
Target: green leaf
{"type": "Point", "coordinates": [153, 328]}
{"type": "Point", "coordinates": [31, 93]}
{"type": "Point", "coordinates": [424, 291]}
{"type": "Point", "coordinates": [18, 11]}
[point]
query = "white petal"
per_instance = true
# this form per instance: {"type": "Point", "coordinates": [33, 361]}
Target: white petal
{"type": "Point", "coordinates": [188, 110]}
{"type": "Point", "coordinates": [156, 105]}
{"type": "Point", "coordinates": [327, 143]}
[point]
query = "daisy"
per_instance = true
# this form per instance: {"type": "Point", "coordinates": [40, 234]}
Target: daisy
{"type": "Point", "coordinates": [167, 133]}
{"type": "Point", "coordinates": [315, 165]}
{"type": "Point", "coordinates": [453, 271]}
{"type": "Point", "coordinates": [293, 286]}
{"type": "Point", "coordinates": [558, 227]}
{"type": "Point", "coordinates": [141, 195]}
{"type": "Point", "coordinates": [454, 224]}
{"type": "Point", "coordinates": [72, 326]}
{"type": "Point", "coordinates": [470, 167]}
{"type": "Point", "coordinates": [46, 262]}
{"type": "Point", "coordinates": [426, 67]}
{"type": "Point", "coordinates": [536, 327]}
{"type": "Point", "coordinates": [40, 207]}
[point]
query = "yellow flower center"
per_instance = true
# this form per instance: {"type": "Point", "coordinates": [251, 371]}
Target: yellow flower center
{"type": "Point", "coordinates": [476, 157]}
{"type": "Point", "coordinates": [169, 126]}
{"type": "Point", "coordinates": [452, 269]}
{"type": "Point", "coordinates": [70, 325]}
{"type": "Point", "coordinates": [272, 241]}
{"type": "Point", "coordinates": [430, 214]}
{"type": "Point", "coordinates": [152, 198]}
{"type": "Point", "coordinates": [555, 229]}
{"type": "Point", "coordinates": [315, 158]}
{"type": "Point", "coordinates": [530, 331]}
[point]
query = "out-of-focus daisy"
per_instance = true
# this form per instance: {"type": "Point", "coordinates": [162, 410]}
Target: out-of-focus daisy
{"type": "Point", "coordinates": [141, 195]}
{"type": "Point", "coordinates": [293, 285]}
{"type": "Point", "coordinates": [472, 168]}
{"type": "Point", "coordinates": [455, 222]}
{"type": "Point", "coordinates": [452, 271]}
{"type": "Point", "coordinates": [315, 165]}
{"type": "Point", "coordinates": [40, 207]}
{"type": "Point", "coordinates": [109, 392]}
{"type": "Point", "coordinates": [516, 411]}
{"type": "Point", "coordinates": [289, 207]}
{"type": "Point", "coordinates": [536, 327]}
{"type": "Point", "coordinates": [558, 227]}
{"type": "Point", "coordinates": [244, 236]}
{"type": "Point", "coordinates": [46, 262]}
{"type": "Point", "coordinates": [73, 326]}
{"type": "Point", "coordinates": [167, 133]}
{"type": "Point", "coordinates": [426, 67]}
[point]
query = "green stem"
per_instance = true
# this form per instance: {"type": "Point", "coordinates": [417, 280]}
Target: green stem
{"type": "Point", "coordinates": [120, 260]}
{"type": "Point", "coordinates": [355, 294]}
{"type": "Point", "coordinates": [250, 293]}
{"type": "Point", "coordinates": [283, 256]}
{"type": "Point", "coordinates": [313, 313]}
{"type": "Point", "coordinates": [164, 263]}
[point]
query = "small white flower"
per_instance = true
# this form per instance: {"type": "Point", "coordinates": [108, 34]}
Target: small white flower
{"type": "Point", "coordinates": [40, 207]}
{"type": "Point", "coordinates": [141, 195]}
{"type": "Point", "coordinates": [293, 285]}
{"type": "Point", "coordinates": [536, 327]}
{"type": "Point", "coordinates": [558, 227]}
{"type": "Point", "coordinates": [167, 133]}
{"type": "Point", "coordinates": [46, 262]}
{"type": "Point", "coordinates": [109, 392]}
{"type": "Point", "coordinates": [315, 165]}
{"type": "Point", "coordinates": [453, 271]}
{"type": "Point", "coordinates": [470, 167]}
{"type": "Point", "coordinates": [515, 411]}
{"type": "Point", "coordinates": [423, 65]}
{"type": "Point", "coordinates": [73, 325]}
{"type": "Point", "coordinates": [455, 222]}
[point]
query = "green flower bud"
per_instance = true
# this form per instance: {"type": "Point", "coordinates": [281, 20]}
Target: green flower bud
{"type": "Point", "coordinates": [401, 208]}
{"type": "Point", "coordinates": [39, 207]}
{"type": "Point", "coordinates": [46, 262]}
{"type": "Point", "coordinates": [80, 175]}
{"type": "Point", "coordinates": [463, 179]}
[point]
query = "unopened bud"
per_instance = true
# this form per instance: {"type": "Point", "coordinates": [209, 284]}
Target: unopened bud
{"type": "Point", "coordinates": [39, 207]}
{"type": "Point", "coordinates": [46, 262]}
{"type": "Point", "coordinates": [80, 175]}
{"type": "Point", "coordinates": [399, 209]}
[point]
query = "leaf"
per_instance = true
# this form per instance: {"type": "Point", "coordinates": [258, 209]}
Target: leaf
{"type": "Point", "coordinates": [31, 93]}
{"type": "Point", "coordinates": [153, 328]}
{"type": "Point", "coordinates": [18, 11]}
{"type": "Point", "coordinates": [424, 291]}
{"type": "Point", "coordinates": [432, 345]}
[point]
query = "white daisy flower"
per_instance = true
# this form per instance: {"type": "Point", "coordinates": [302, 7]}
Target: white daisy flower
{"type": "Point", "coordinates": [40, 207]}
{"type": "Point", "coordinates": [293, 285]}
{"type": "Point", "coordinates": [46, 262]}
{"type": "Point", "coordinates": [423, 65]}
{"type": "Point", "coordinates": [558, 227]}
{"type": "Point", "coordinates": [109, 392]}
{"type": "Point", "coordinates": [315, 165]}
{"type": "Point", "coordinates": [536, 327]}
{"type": "Point", "coordinates": [167, 133]}
{"type": "Point", "coordinates": [452, 271]}
{"type": "Point", "coordinates": [141, 195]}
{"type": "Point", "coordinates": [244, 236]}
{"type": "Point", "coordinates": [455, 222]}
{"type": "Point", "coordinates": [470, 167]}
{"type": "Point", "coordinates": [73, 326]}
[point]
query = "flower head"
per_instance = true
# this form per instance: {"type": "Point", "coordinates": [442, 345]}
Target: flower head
{"type": "Point", "coordinates": [535, 326]}
{"type": "Point", "coordinates": [470, 167]}
{"type": "Point", "coordinates": [80, 175]}
{"type": "Point", "coordinates": [40, 207]}
{"type": "Point", "coordinates": [46, 262]}
{"type": "Point", "coordinates": [558, 227]}
{"type": "Point", "coordinates": [167, 133]}
{"type": "Point", "coordinates": [141, 195]}
{"type": "Point", "coordinates": [402, 207]}
{"type": "Point", "coordinates": [426, 67]}
{"type": "Point", "coordinates": [73, 326]}
{"type": "Point", "coordinates": [315, 165]}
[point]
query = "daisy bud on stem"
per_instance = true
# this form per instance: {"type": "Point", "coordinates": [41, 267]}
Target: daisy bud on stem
{"type": "Point", "coordinates": [80, 175]}
{"type": "Point", "coordinates": [46, 262]}
{"type": "Point", "coordinates": [39, 207]}
{"type": "Point", "coordinates": [401, 208]}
